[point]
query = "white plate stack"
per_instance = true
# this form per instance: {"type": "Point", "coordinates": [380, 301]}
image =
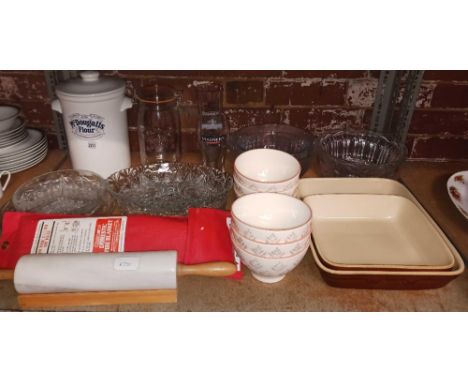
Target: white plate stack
{"type": "Point", "coordinates": [20, 148]}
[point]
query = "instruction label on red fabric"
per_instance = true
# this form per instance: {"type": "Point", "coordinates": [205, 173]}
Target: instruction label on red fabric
{"type": "Point", "coordinates": [80, 235]}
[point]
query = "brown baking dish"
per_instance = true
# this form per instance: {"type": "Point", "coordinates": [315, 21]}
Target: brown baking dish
{"type": "Point", "coordinates": [387, 279]}
{"type": "Point", "coordinates": [379, 279]}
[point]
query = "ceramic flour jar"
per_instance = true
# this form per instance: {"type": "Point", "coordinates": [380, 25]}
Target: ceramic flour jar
{"type": "Point", "coordinates": [95, 118]}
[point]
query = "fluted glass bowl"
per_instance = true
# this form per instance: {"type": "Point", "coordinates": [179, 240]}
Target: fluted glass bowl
{"type": "Point", "coordinates": [287, 138]}
{"type": "Point", "coordinates": [359, 154]}
{"type": "Point", "coordinates": [169, 188]}
{"type": "Point", "coordinates": [62, 192]}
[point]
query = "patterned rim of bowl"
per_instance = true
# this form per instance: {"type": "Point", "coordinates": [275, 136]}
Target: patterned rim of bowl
{"type": "Point", "coordinates": [238, 247]}
{"type": "Point", "coordinates": [236, 231]}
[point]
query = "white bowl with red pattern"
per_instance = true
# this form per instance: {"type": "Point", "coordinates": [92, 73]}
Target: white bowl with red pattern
{"type": "Point", "coordinates": [457, 187]}
{"type": "Point", "coordinates": [267, 249]}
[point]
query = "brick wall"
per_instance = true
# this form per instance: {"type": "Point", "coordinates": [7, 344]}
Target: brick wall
{"type": "Point", "coordinates": [317, 101]}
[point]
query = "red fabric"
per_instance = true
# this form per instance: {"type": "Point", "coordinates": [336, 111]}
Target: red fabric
{"type": "Point", "coordinates": [208, 236]}
{"type": "Point", "coordinates": [156, 233]}
{"type": "Point", "coordinates": [201, 237]}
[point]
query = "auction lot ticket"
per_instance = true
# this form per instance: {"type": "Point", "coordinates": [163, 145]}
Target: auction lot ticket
{"type": "Point", "coordinates": [80, 235]}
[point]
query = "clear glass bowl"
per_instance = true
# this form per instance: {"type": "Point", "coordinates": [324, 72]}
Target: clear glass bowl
{"type": "Point", "coordinates": [287, 138]}
{"type": "Point", "coordinates": [169, 188]}
{"type": "Point", "coordinates": [359, 154]}
{"type": "Point", "coordinates": [62, 192]}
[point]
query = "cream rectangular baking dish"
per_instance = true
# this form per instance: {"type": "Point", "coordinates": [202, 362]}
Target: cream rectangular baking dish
{"type": "Point", "coordinates": [378, 279]}
{"type": "Point", "coordinates": [375, 186]}
{"type": "Point", "coordinates": [375, 232]}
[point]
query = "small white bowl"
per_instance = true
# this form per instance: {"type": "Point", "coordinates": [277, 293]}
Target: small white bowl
{"type": "Point", "coordinates": [267, 166]}
{"type": "Point", "coordinates": [266, 269]}
{"type": "Point", "coordinates": [270, 250]}
{"type": "Point", "coordinates": [244, 190]}
{"type": "Point", "coordinates": [266, 186]}
{"type": "Point", "coordinates": [271, 218]}
{"type": "Point", "coordinates": [8, 116]}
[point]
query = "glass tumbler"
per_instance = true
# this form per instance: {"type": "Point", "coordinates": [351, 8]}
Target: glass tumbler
{"type": "Point", "coordinates": [213, 130]}
{"type": "Point", "coordinates": [158, 124]}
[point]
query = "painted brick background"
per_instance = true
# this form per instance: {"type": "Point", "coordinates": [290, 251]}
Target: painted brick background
{"type": "Point", "coordinates": [314, 100]}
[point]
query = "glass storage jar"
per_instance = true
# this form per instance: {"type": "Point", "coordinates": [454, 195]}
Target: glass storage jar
{"type": "Point", "coordinates": [158, 124]}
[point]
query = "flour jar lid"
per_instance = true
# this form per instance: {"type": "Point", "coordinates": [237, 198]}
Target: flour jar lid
{"type": "Point", "coordinates": [91, 84]}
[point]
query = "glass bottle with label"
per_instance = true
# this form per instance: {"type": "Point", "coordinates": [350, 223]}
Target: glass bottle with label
{"type": "Point", "coordinates": [213, 130]}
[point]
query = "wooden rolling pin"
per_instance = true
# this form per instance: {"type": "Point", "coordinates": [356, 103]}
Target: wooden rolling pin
{"type": "Point", "coordinates": [65, 273]}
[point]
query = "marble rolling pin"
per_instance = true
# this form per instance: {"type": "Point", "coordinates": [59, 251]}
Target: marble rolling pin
{"type": "Point", "coordinates": [86, 272]}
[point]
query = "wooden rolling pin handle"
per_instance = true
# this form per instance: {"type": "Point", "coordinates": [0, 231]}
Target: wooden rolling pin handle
{"type": "Point", "coordinates": [214, 269]}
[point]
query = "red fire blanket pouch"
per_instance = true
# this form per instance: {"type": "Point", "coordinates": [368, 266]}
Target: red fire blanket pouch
{"type": "Point", "coordinates": [201, 237]}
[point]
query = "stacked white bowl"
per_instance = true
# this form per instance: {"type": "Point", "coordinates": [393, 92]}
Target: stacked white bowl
{"type": "Point", "coordinates": [266, 170]}
{"type": "Point", "coordinates": [271, 233]}
{"type": "Point", "coordinates": [11, 126]}
{"type": "Point", "coordinates": [20, 148]}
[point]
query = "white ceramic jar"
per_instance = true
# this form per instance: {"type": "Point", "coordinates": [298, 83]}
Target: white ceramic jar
{"type": "Point", "coordinates": [95, 118]}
